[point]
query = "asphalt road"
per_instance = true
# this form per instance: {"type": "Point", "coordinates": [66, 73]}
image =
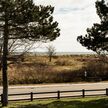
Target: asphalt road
{"type": "Point", "coordinates": [55, 87]}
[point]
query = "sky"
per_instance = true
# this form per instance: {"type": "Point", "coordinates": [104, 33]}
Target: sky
{"type": "Point", "coordinates": [74, 17]}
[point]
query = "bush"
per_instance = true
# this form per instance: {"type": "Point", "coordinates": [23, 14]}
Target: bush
{"type": "Point", "coordinates": [63, 62]}
{"type": "Point", "coordinates": [97, 70]}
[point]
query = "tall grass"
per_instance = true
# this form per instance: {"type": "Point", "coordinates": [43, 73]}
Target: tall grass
{"type": "Point", "coordinates": [62, 69]}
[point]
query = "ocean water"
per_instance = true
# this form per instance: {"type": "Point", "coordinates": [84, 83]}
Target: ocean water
{"type": "Point", "coordinates": [65, 53]}
{"type": "Point", "coordinates": [57, 53]}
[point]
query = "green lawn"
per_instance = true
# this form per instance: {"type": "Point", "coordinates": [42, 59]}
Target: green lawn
{"type": "Point", "coordinates": [63, 103]}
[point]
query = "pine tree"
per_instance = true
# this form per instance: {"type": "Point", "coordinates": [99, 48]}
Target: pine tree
{"type": "Point", "coordinates": [23, 20]}
{"type": "Point", "coordinates": [96, 38]}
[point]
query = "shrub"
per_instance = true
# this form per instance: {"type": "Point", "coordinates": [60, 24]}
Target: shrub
{"type": "Point", "coordinates": [97, 69]}
{"type": "Point", "coordinates": [62, 62]}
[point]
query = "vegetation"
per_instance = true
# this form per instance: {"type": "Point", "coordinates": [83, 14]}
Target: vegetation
{"type": "Point", "coordinates": [64, 103]}
{"type": "Point", "coordinates": [66, 68]}
{"type": "Point", "coordinates": [21, 21]}
{"type": "Point", "coordinates": [50, 51]}
{"type": "Point", "coordinates": [96, 38]}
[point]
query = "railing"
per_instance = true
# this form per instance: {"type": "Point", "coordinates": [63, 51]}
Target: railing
{"type": "Point", "coordinates": [57, 94]}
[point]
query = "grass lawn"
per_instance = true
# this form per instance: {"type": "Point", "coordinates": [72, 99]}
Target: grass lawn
{"type": "Point", "coordinates": [97, 102]}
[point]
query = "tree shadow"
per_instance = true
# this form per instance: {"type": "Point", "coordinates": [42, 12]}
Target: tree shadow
{"type": "Point", "coordinates": [100, 103]}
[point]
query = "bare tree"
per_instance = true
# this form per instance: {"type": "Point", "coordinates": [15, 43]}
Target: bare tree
{"type": "Point", "coordinates": [50, 51]}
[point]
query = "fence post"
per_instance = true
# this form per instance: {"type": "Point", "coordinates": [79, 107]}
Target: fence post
{"type": "Point", "coordinates": [106, 91]}
{"type": "Point", "coordinates": [83, 93]}
{"type": "Point", "coordinates": [31, 95]}
{"type": "Point", "coordinates": [1, 98]}
{"type": "Point", "coordinates": [58, 94]}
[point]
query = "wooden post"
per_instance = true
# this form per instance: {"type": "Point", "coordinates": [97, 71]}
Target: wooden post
{"type": "Point", "coordinates": [1, 98]}
{"type": "Point", "coordinates": [58, 94]}
{"type": "Point", "coordinates": [106, 91]}
{"type": "Point", "coordinates": [31, 96]}
{"type": "Point", "coordinates": [83, 93]}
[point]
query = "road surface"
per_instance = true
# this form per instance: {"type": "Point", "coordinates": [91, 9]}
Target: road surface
{"type": "Point", "coordinates": [55, 87]}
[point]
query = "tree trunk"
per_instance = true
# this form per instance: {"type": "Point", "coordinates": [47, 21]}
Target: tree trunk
{"type": "Point", "coordinates": [50, 58]}
{"type": "Point", "coordinates": [4, 64]}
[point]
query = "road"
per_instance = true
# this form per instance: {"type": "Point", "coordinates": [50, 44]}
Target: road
{"type": "Point", "coordinates": [56, 87]}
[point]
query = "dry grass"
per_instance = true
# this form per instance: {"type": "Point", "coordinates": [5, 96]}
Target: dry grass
{"type": "Point", "coordinates": [38, 69]}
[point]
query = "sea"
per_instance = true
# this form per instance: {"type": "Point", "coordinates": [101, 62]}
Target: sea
{"type": "Point", "coordinates": [56, 53]}
{"type": "Point", "coordinates": [66, 53]}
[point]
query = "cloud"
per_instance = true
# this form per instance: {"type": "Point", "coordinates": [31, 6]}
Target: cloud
{"type": "Point", "coordinates": [73, 16]}
{"type": "Point", "coordinates": [68, 10]}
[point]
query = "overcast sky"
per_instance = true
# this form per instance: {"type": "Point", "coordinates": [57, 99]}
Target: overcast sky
{"type": "Point", "coordinates": [73, 16]}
